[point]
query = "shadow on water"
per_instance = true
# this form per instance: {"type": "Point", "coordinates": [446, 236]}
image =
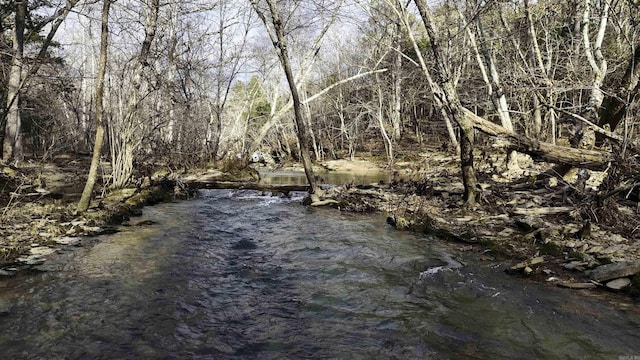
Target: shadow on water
{"type": "Point", "coordinates": [234, 274]}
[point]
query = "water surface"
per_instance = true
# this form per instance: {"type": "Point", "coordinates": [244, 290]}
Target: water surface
{"type": "Point", "coordinates": [238, 275]}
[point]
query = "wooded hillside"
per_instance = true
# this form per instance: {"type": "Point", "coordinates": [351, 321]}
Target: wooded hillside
{"type": "Point", "coordinates": [182, 84]}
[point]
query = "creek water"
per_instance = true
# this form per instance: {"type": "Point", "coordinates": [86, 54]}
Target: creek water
{"type": "Point", "coordinates": [241, 275]}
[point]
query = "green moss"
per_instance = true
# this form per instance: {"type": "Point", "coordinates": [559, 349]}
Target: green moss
{"type": "Point", "coordinates": [577, 255]}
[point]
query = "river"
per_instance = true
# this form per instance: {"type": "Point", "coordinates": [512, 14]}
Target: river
{"type": "Point", "coordinates": [241, 275]}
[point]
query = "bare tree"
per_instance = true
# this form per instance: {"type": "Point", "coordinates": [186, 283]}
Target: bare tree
{"type": "Point", "coordinates": [12, 145]}
{"type": "Point", "coordinates": [276, 28]}
{"type": "Point", "coordinates": [230, 46]}
{"type": "Point", "coordinates": [83, 204]}
{"type": "Point", "coordinates": [126, 141]}
{"type": "Point", "coordinates": [451, 102]}
{"type": "Point", "coordinates": [597, 62]}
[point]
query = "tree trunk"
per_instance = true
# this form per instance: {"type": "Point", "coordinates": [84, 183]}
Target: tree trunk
{"type": "Point", "coordinates": [302, 132]}
{"type": "Point", "coordinates": [452, 105]}
{"type": "Point", "coordinates": [598, 64]}
{"type": "Point", "coordinates": [396, 79]}
{"type": "Point", "coordinates": [83, 204]}
{"type": "Point", "coordinates": [12, 144]}
{"type": "Point", "coordinates": [379, 115]}
{"type": "Point", "coordinates": [435, 88]}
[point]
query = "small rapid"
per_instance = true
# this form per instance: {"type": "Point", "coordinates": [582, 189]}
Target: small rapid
{"type": "Point", "coordinates": [239, 274]}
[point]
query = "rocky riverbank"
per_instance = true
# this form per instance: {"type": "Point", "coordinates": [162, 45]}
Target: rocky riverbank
{"type": "Point", "coordinates": [546, 229]}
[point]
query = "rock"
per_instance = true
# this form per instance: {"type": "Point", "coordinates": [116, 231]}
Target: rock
{"type": "Point", "coordinates": [327, 202]}
{"type": "Point", "coordinates": [398, 222]}
{"type": "Point", "coordinates": [244, 244]}
{"type": "Point", "coordinates": [68, 240]}
{"type": "Point", "coordinates": [97, 230]}
{"type": "Point", "coordinates": [4, 272]}
{"type": "Point", "coordinates": [572, 285]}
{"type": "Point", "coordinates": [31, 260]}
{"type": "Point", "coordinates": [529, 223]}
{"type": "Point", "coordinates": [145, 222]}
{"type": "Point", "coordinates": [615, 271]}
{"type": "Point", "coordinates": [575, 265]}
{"type": "Point", "coordinates": [4, 309]}
{"type": "Point", "coordinates": [595, 250]}
{"type": "Point", "coordinates": [91, 230]}
{"type": "Point", "coordinates": [527, 270]}
{"type": "Point", "coordinates": [262, 158]}
{"type": "Point", "coordinates": [528, 263]}
{"type": "Point", "coordinates": [41, 251]}
{"type": "Point", "coordinates": [618, 284]}
{"type": "Point", "coordinates": [78, 222]}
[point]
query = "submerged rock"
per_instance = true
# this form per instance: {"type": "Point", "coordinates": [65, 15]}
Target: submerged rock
{"type": "Point", "coordinates": [244, 244]}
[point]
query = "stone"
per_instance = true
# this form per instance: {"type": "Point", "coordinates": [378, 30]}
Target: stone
{"type": "Point", "coordinates": [68, 240]}
{"type": "Point", "coordinates": [41, 251]}
{"type": "Point", "coordinates": [4, 272]}
{"type": "Point", "coordinates": [145, 223]}
{"type": "Point", "coordinates": [327, 202]}
{"type": "Point", "coordinates": [244, 244]}
{"type": "Point", "coordinates": [529, 223]}
{"type": "Point", "coordinates": [595, 250]}
{"type": "Point", "coordinates": [578, 286]}
{"type": "Point", "coordinates": [31, 260]}
{"type": "Point", "coordinates": [528, 263]}
{"type": "Point", "coordinates": [4, 309]}
{"type": "Point", "coordinates": [527, 270]}
{"type": "Point", "coordinates": [615, 270]}
{"type": "Point", "coordinates": [618, 284]}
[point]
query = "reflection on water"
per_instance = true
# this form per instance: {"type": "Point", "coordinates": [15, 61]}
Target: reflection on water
{"type": "Point", "coordinates": [234, 274]}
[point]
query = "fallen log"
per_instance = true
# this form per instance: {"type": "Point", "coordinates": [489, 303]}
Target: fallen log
{"type": "Point", "coordinates": [540, 211]}
{"type": "Point", "coordinates": [246, 186]}
{"type": "Point", "coordinates": [581, 158]}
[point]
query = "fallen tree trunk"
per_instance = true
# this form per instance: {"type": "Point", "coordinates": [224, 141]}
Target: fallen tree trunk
{"type": "Point", "coordinates": [582, 158]}
{"type": "Point", "coordinates": [246, 186]}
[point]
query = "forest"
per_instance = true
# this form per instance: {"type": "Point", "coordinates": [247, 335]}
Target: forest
{"type": "Point", "coordinates": [127, 88]}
